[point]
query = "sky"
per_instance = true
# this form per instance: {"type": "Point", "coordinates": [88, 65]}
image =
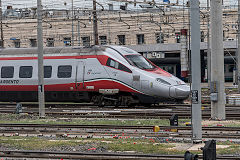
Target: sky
{"type": "Point", "coordinates": [60, 4]}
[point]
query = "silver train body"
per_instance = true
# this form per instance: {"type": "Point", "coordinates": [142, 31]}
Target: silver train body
{"type": "Point", "coordinates": [105, 75]}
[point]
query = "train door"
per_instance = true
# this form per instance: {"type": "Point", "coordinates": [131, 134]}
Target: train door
{"type": "Point", "coordinates": [119, 73]}
{"type": "Point", "coordinates": [136, 81]}
{"type": "Point", "coordinates": [80, 70]}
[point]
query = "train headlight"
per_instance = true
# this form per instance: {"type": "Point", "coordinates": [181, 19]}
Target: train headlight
{"type": "Point", "coordinates": [162, 81]}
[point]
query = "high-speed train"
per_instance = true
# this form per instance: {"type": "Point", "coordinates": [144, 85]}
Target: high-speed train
{"type": "Point", "coordinates": [104, 75]}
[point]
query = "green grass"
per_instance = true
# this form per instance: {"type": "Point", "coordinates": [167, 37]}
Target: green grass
{"type": "Point", "coordinates": [146, 146]}
{"type": "Point", "coordinates": [232, 149]}
{"type": "Point", "coordinates": [142, 146]}
{"type": "Point", "coordinates": [33, 143]}
{"type": "Point", "coordinates": [14, 118]}
{"type": "Point", "coordinates": [115, 145]}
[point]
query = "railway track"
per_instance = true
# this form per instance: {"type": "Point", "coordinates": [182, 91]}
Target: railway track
{"type": "Point", "coordinates": [163, 111]}
{"type": "Point", "coordinates": [81, 155]}
{"type": "Point", "coordinates": [165, 132]}
{"type": "Point", "coordinates": [103, 156]}
{"type": "Point", "coordinates": [107, 130]}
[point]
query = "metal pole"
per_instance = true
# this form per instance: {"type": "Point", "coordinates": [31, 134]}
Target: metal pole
{"type": "Point", "coordinates": [1, 24]}
{"type": "Point", "coordinates": [72, 25]}
{"type": "Point", "coordinates": [78, 32]}
{"type": "Point", "coordinates": [95, 27]}
{"type": "Point", "coordinates": [208, 48]}
{"type": "Point", "coordinates": [217, 62]}
{"type": "Point", "coordinates": [40, 61]}
{"type": "Point", "coordinates": [238, 49]}
{"type": "Point", "coordinates": [196, 70]}
{"type": "Point", "coordinates": [109, 32]}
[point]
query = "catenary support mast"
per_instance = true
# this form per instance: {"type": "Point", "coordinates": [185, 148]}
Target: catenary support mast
{"type": "Point", "coordinates": [238, 49]}
{"type": "Point", "coordinates": [95, 27]}
{"type": "Point", "coordinates": [40, 61]}
{"type": "Point", "coordinates": [72, 41]}
{"type": "Point", "coordinates": [195, 71]}
{"type": "Point", "coordinates": [1, 24]}
{"type": "Point", "coordinates": [217, 62]}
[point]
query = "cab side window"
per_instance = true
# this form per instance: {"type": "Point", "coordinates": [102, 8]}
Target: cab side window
{"type": "Point", "coordinates": [7, 72]}
{"type": "Point", "coordinates": [117, 65]}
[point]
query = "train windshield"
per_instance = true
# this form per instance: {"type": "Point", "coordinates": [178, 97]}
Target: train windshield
{"type": "Point", "coordinates": [139, 61]}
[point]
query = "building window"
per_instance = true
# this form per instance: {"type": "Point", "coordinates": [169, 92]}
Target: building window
{"type": "Point", "coordinates": [86, 41]}
{"type": "Point", "coordinates": [140, 39]}
{"type": "Point", "coordinates": [121, 39]}
{"type": "Point", "coordinates": [7, 72]}
{"type": "Point", "coordinates": [224, 34]}
{"type": "Point", "coordinates": [103, 40]}
{"type": "Point", "coordinates": [231, 68]}
{"type": "Point", "coordinates": [1, 44]}
{"type": "Point", "coordinates": [33, 42]}
{"type": "Point", "coordinates": [64, 71]}
{"type": "Point", "coordinates": [202, 36]}
{"type": "Point", "coordinates": [47, 71]}
{"type": "Point", "coordinates": [67, 41]}
{"type": "Point", "coordinates": [16, 43]}
{"type": "Point", "coordinates": [159, 37]}
{"type": "Point", "coordinates": [25, 72]}
{"type": "Point", "coordinates": [110, 7]}
{"type": "Point", "coordinates": [50, 42]}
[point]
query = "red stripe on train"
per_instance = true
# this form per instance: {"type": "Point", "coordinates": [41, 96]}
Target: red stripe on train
{"type": "Point", "coordinates": [101, 84]}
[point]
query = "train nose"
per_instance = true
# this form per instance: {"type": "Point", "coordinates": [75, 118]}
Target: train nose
{"type": "Point", "coordinates": [180, 92]}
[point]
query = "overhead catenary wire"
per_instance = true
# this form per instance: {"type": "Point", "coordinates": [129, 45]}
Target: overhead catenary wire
{"type": "Point", "coordinates": [168, 21]}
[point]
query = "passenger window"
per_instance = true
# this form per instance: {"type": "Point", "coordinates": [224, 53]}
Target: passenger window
{"type": "Point", "coordinates": [47, 71]}
{"type": "Point", "coordinates": [114, 64]}
{"type": "Point", "coordinates": [25, 72]}
{"type": "Point", "coordinates": [7, 72]}
{"type": "Point", "coordinates": [64, 71]}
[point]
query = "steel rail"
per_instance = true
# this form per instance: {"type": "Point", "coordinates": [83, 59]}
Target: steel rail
{"type": "Point", "coordinates": [26, 125]}
{"type": "Point", "coordinates": [84, 155]}
{"type": "Point", "coordinates": [103, 156]}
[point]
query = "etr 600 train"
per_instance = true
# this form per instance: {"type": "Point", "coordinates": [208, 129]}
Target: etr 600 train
{"type": "Point", "coordinates": [105, 75]}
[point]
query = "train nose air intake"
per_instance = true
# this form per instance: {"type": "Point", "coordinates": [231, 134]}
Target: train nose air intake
{"type": "Point", "coordinates": [181, 91]}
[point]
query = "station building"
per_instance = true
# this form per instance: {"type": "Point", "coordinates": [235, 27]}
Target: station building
{"type": "Point", "coordinates": [156, 33]}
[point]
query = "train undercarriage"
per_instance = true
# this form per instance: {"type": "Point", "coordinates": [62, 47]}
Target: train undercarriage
{"type": "Point", "coordinates": [120, 99]}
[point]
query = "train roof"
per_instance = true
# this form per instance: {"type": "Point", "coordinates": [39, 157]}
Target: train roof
{"type": "Point", "coordinates": [52, 50]}
{"type": "Point", "coordinates": [123, 50]}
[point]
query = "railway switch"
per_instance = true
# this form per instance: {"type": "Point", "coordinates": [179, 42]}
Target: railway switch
{"type": "Point", "coordinates": [190, 156]}
{"type": "Point", "coordinates": [174, 120]}
{"type": "Point", "coordinates": [18, 108]}
{"type": "Point", "coordinates": [209, 150]}
{"type": "Point", "coordinates": [156, 128]}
